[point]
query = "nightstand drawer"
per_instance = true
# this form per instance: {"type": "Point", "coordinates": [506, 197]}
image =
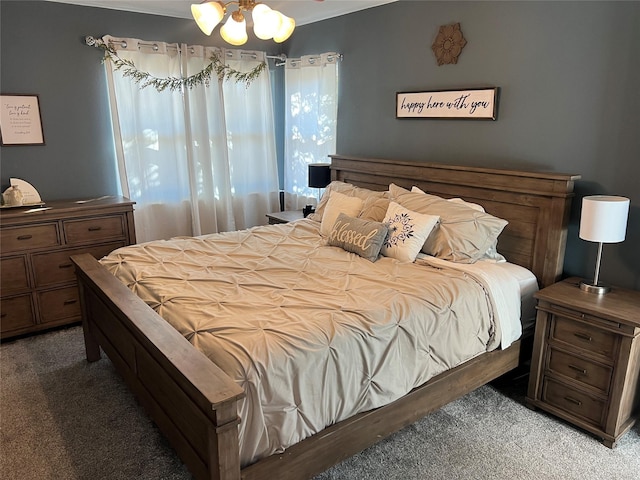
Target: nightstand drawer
{"type": "Point", "coordinates": [56, 268]}
{"type": "Point", "coordinates": [59, 304]}
{"type": "Point", "coordinates": [585, 371]}
{"type": "Point", "coordinates": [573, 401]}
{"type": "Point", "coordinates": [14, 275]}
{"type": "Point", "coordinates": [587, 337]}
{"type": "Point", "coordinates": [94, 229]}
{"type": "Point", "coordinates": [29, 237]}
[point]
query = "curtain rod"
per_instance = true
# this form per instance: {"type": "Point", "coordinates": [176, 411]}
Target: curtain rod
{"type": "Point", "coordinates": [282, 58]}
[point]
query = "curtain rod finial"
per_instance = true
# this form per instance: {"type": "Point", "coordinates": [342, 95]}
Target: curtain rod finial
{"type": "Point", "coordinates": [89, 40]}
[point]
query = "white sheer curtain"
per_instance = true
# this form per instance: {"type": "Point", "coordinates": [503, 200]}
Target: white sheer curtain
{"type": "Point", "coordinates": [188, 158]}
{"type": "Point", "coordinates": [311, 108]}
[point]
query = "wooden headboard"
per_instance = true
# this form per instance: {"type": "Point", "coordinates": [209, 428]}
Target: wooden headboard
{"type": "Point", "coordinates": [536, 204]}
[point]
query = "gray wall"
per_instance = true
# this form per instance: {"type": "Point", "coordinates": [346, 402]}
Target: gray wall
{"type": "Point", "coordinates": [568, 73]}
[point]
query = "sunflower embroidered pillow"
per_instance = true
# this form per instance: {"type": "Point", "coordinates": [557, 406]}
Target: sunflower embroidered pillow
{"type": "Point", "coordinates": [362, 237]}
{"type": "Point", "coordinates": [408, 231]}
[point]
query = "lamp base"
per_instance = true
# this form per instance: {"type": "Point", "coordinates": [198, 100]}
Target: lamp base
{"type": "Point", "coordinates": [598, 289]}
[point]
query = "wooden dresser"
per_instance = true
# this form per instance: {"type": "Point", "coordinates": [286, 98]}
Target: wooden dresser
{"type": "Point", "coordinates": [38, 289]}
{"type": "Point", "coordinates": [585, 366]}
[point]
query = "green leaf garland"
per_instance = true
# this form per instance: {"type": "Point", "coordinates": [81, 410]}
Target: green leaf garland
{"type": "Point", "coordinates": [145, 79]}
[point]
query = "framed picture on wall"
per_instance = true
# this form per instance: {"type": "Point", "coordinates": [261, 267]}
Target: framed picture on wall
{"type": "Point", "coordinates": [20, 120]}
{"type": "Point", "coordinates": [479, 103]}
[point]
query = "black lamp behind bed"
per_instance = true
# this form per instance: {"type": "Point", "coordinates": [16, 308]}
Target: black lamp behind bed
{"type": "Point", "coordinates": [319, 177]}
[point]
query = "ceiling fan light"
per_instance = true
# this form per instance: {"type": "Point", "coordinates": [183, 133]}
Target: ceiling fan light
{"type": "Point", "coordinates": [266, 22]}
{"type": "Point", "coordinates": [207, 15]}
{"type": "Point", "coordinates": [234, 31]}
{"type": "Point", "coordinates": [287, 26]}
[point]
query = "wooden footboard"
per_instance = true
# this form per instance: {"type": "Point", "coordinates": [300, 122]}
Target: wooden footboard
{"type": "Point", "coordinates": [191, 400]}
{"type": "Point", "coordinates": [194, 403]}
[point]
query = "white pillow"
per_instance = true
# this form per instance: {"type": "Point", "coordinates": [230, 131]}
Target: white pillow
{"type": "Point", "coordinates": [407, 232]}
{"type": "Point", "coordinates": [338, 203]}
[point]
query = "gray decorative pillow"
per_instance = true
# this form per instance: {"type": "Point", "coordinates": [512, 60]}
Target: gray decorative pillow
{"type": "Point", "coordinates": [362, 237]}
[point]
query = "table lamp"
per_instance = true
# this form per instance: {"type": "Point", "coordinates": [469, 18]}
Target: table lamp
{"type": "Point", "coordinates": [604, 220]}
{"type": "Point", "coordinates": [319, 175]}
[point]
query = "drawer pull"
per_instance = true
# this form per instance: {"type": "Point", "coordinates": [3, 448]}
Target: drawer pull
{"type": "Point", "coordinates": [25, 237]}
{"type": "Point", "coordinates": [65, 265]}
{"type": "Point", "coordinates": [94, 229]}
{"type": "Point", "coordinates": [2, 315]}
{"type": "Point", "coordinates": [578, 369]}
{"type": "Point", "coordinates": [70, 302]}
{"type": "Point", "coordinates": [583, 336]}
{"type": "Point", "coordinates": [573, 400]}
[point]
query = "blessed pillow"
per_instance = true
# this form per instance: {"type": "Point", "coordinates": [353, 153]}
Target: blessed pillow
{"type": "Point", "coordinates": [492, 251]}
{"type": "Point", "coordinates": [463, 234]}
{"type": "Point", "coordinates": [362, 237]}
{"type": "Point", "coordinates": [408, 231]}
{"type": "Point", "coordinates": [338, 203]}
{"type": "Point", "coordinates": [347, 189]}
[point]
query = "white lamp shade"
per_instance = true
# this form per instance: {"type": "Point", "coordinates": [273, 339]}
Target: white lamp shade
{"type": "Point", "coordinates": [604, 218]}
{"type": "Point", "coordinates": [266, 22]}
{"type": "Point", "coordinates": [234, 32]}
{"type": "Point", "coordinates": [287, 26]}
{"type": "Point", "coordinates": [207, 15]}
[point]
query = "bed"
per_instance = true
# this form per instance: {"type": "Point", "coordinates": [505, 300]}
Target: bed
{"type": "Point", "coordinates": [196, 403]}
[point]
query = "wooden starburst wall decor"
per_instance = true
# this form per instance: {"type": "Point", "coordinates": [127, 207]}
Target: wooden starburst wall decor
{"type": "Point", "coordinates": [448, 44]}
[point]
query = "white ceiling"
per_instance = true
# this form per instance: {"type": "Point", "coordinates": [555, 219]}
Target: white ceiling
{"type": "Point", "coordinates": [302, 11]}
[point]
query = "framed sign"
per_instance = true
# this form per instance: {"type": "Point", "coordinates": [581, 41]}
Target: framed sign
{"type": "Point", "coordinates": [470, 104]}
{"type": "Point", "coordinates": [20, 121]}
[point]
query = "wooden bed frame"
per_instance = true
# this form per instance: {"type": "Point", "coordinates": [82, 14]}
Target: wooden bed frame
{"type": "Point", "coordinates": [194, 403]}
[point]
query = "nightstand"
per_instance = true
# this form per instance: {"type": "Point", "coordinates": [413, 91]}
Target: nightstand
{"type": "Point", "coordinates": [284, 217]}
{"type": "Point", "coordinates": [585, 366]}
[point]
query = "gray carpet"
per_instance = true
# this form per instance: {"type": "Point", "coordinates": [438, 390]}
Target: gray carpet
{"type": "Point", "coordinates": [63, 418]}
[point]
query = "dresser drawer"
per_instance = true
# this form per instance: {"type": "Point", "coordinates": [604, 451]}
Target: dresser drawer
{"type": "Point", "coordinates": [94, 229]}
{"type": "Point", "coordinates": [585, 371]}
{"type": "Point", "coordinates": [59, 304]}
{"type": "Point", "coordinates": [574, 402]}
{"type": "Point", "coordinates": [56, 268]}
{"type": "Point", "coordinates": [16, 239]}
{"type": "Point", "coordinates": [587, 337]}
{"type": "Point", "coordinates": [14, 275]}
{"type": "Point", "coordinates": [16, 313]}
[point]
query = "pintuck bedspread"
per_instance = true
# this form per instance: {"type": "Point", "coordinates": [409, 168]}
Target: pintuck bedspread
{"type": "Point", "coordinates": [312, 333]}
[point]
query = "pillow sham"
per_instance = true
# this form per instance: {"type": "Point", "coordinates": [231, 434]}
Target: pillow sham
{"type": "Point", "coordinates": [338, 203]}
{"type": "Point", "coordinates": [362, 237]}
{"type": "Point", "coordinates": [408, 231]}
{"type": "Point", "coordinates": [463, 234]}
{"type": "Point", "coordinates": [347, 189]}
{"type": "Point", "coordinates": [374, 208]}
{"type": "Point", "coordinates": [492, 251]}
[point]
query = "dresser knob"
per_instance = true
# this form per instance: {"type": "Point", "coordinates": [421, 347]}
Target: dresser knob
{"type": "Point", "coordinates": [65, 265]}
{"type": "Point", "coordinates": [70, 302]}
{"type": "Point", "coordinates": [578, 369]}
{"type": "Point", "coordinates": [94, 229]}
{"type": "Point", "coordinates": [583, 336]}
{"type": "Point", "coordinates": [573, 400]}
{"type": "Point", "coordinates": [25, 237]}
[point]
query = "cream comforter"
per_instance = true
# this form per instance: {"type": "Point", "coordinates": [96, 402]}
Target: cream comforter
{"type": "Point", "coordinates": [312, 333]}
